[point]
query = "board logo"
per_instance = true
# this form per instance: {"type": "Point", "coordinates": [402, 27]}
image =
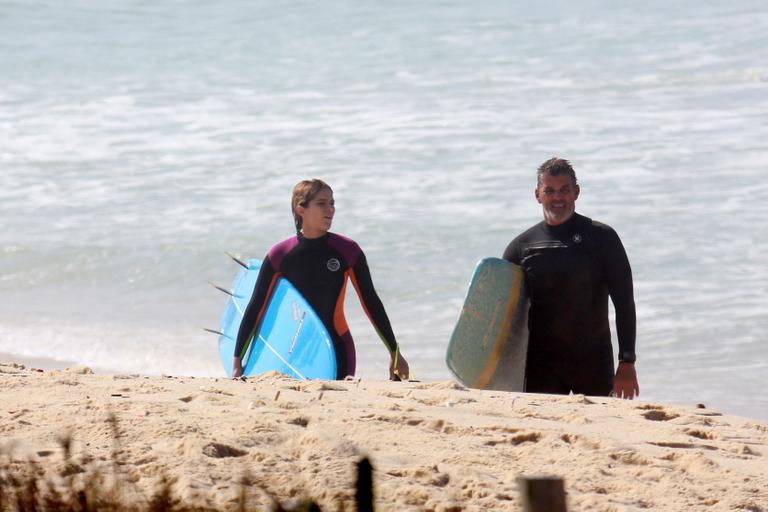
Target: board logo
{"type": "Point", "coordinates": [298, 316]}
{"type": "Point", "coordinates": [333, 265]}
{"type": "Point", "coordinates": [577, 238]}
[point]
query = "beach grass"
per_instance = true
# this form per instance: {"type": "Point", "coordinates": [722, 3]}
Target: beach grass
{"type": "Point", "coordinates": [80, 486]}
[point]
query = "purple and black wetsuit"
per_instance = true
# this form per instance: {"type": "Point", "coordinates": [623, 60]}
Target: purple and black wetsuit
{"type": "Point", "coordinates": [318, 268]}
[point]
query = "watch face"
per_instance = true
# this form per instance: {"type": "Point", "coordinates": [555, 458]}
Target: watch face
{"type": "Point", "coordinates": [627, 357]}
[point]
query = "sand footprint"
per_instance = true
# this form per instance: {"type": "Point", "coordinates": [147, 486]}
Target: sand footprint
{"type": "Point", "coordinates": [631, 458]}
{"type": "Point", "coordinates": [675, 444]}
{"type": "Point", "coordinates": [215, 391]}
{"type": "Point", "coordinates": [503, 429]}
{"type": "Point", "coordinates": [658, 414]}
{"type": "Point", "coordinates": [301, 421]}
{"type": "Point", "coordinates": [318, 386]}
{"type": "Point", "coordinates": [429, 475]}
{"type": "Point", "coordinates": [692, 462]}
{"type": "Point", "coordinates": [700, 434]}
{"type": "Point", "coordinates": [445, 401]}
{"type": "Point", "coordinates": [517, 439]}
{"type": "Point", "coordinates": [447, 384]}
{"type": "Point", "coordinates": [219, 451]}
{"type": "Point", "coordinates": [574, 439]}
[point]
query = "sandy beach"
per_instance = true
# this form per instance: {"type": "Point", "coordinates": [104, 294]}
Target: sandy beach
{"type": "Point", "coordinates": [434, 446]}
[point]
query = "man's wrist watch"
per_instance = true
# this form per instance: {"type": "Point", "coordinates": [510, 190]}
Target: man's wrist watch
{"type": "Point", "coordinates": [627, 357]}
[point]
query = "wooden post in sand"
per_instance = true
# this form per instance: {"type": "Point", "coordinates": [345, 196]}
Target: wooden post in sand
{"type": "Point", "coordinates": [364, 493]}
{"type": "Point", "coordinates": [542, 494]}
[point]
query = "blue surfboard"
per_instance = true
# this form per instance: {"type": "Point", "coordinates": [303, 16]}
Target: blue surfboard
{"type": "Point", "coordinates": [291, 338]}
{"type": "Point", "coordinates": [489, 345]}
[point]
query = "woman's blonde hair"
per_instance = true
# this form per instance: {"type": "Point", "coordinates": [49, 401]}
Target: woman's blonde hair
{"type": "Point", "coordinates": [303, 192]}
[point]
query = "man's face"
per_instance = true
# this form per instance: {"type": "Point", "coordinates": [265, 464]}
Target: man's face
{"type": "Point", "coordinates": [557, 196]}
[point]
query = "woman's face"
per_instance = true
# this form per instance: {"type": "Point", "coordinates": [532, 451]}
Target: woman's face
{"type": "Point", "coordinates": [317, 216]}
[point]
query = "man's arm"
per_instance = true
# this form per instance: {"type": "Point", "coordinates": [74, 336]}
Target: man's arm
{"type": "Point", "coordinates": [619, 282]}
{"type": "Point", "coordinates": [512, 252]}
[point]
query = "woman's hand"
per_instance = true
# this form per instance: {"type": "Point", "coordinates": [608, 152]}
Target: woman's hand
{"type": "Point", "coordinates": [237, 368]}
{"type": "Point", "coordinates": [398, 367]}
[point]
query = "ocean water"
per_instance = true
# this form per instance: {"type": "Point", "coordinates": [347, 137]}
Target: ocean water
{"type": "Point", "coordinates": [141, 140]}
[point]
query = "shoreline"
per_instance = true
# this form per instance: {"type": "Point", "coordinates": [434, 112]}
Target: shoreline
{"type": "Point", "coordinates": [35, 362]}
{"type": "Point", "coordinates": [434, 446]}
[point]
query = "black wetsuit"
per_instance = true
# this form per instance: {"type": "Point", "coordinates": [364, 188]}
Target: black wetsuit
{"type": "Point", "coordinates": [319, 268]}
{"type": "Point", "coordinates": [570, 270]}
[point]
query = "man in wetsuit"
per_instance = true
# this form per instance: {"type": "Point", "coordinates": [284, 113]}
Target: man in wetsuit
{"type": "Point", "coordinates": [571, 265]}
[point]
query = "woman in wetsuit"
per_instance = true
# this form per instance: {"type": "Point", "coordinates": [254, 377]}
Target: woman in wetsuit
{"type": "Point", "coordinates": [318, 263]}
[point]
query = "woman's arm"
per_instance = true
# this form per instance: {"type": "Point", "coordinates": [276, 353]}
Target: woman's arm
{"type": "Point", "coordinates": [253, 313]}
{"type": "Point", "coordinates": [374, 309]}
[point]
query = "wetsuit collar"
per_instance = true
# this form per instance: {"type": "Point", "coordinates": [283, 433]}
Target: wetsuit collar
{"type": "Point", "coordinates": [318, 240]}
{"type": "Point", "coordinates": [565, 227]}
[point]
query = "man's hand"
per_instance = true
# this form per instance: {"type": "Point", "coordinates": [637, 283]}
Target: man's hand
{"type": "Point", "coordinates": [625, 383]}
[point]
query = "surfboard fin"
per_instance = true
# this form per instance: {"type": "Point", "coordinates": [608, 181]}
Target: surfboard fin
{"type": "Point", "coordinates": [237, 260]}
{"type": "Point", "coordinates": [222, 289]}
{"type": "Point", "coordinates": [214, 331]}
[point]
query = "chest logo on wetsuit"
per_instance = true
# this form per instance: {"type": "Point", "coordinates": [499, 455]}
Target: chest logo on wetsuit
{"type": "Point", "coordinates": [333, 264]}
{"type": "Point", "coordinates": [577, 238]}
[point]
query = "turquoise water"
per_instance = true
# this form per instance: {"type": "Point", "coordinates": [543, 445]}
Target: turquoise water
{"type": "Point", "coordinates": [141, 140]}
